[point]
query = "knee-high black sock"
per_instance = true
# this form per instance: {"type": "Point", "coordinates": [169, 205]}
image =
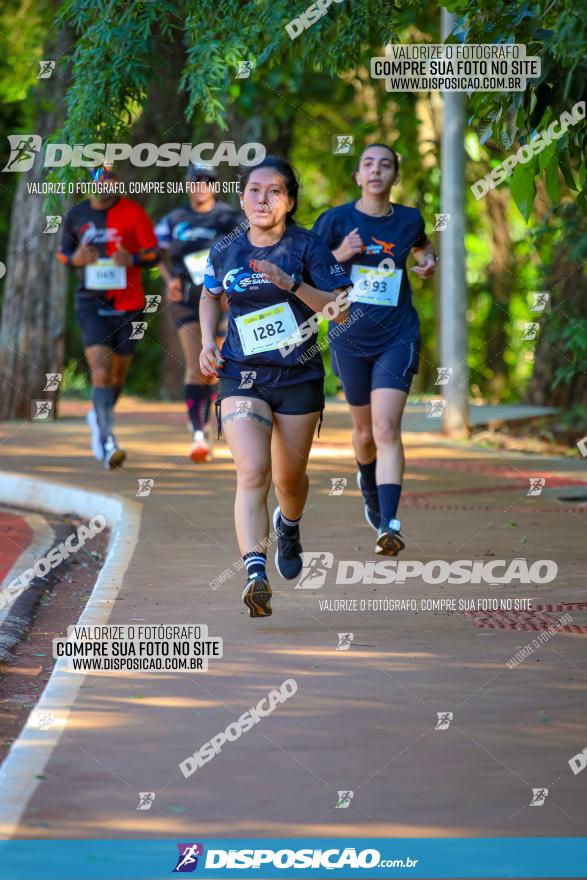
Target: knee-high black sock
{"type": "Point", "coordinates": [197, 398]}
{"type": "Point", "coordinates": [389, 495]}
{"type": "Point", "coordinates": [368, 478]}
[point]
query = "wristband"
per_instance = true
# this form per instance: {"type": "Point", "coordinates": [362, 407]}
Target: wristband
{"type": "Point", "coordinates": [297, 280]}
{"type": "Point", "coordinates": [135, 259]}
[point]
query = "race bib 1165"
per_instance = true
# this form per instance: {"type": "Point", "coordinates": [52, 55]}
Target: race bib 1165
{"type": "Point", "coordinates": [104, 275]}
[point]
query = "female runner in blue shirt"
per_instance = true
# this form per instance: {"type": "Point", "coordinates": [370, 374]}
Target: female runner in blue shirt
{"type": "Point", "coordinates": [276, 276]}
{"type": "Point", "coordinates": [377, 356]}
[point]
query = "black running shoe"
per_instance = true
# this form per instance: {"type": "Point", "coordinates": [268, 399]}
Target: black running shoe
{"type": "Point", "coordinates": [288, 554]}
{"type": "Point", "coordinates": [371, 499]}
{"type": "Point", "coordinates": [389, 540]}
{"type": "Point", "coordinates": [257, 596]}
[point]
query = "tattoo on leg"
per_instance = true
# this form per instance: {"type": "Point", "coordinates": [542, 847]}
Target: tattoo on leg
{"type": "Point", "coordinates": [241, 414]}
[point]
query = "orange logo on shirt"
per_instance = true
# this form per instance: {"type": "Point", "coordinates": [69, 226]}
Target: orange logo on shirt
{"type": "Point", "coordinates": [386, 245]}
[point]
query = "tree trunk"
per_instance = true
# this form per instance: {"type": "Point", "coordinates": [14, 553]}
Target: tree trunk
{"type": "Point", "coordinates": [499, 279]}
{"type": "Point", "coordinates": [162, 120]}
{"type": "Point", "coordinates": [568, 300]}
{"type": "Point", "coordinates": [35, 293]}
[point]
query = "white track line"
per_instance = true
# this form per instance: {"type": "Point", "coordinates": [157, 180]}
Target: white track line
{"type": "Point", "coordinates": [30, 753]}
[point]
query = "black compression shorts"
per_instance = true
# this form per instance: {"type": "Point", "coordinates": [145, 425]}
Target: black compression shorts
{"type": "Point", "coordinates": [299, 399]}
{"type": "Point", "coordinates": [102, 325]}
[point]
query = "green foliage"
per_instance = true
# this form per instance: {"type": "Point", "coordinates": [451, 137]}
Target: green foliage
{"type": "Point", "coordinates": [304, 91]}
{"type": "Point", "coordinates": [331, 382]}
{"type": "Point", "coordinates": [523, 187]}
{"type": "Point", "coordinates": [75, 381]}
{"type": "Point", "coordinates": [572, 339]}
{"type": "Point", "coordinates": [556, 32]}
{"type": "Point", "coordinates": [23, 26]}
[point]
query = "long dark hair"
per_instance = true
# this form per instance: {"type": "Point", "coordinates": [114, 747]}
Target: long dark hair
{"type": "Point", "coordinates": [292, 183]}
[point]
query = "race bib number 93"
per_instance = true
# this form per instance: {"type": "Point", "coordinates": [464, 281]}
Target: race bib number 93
{"type": "Point", "coordinates": [374, 286]}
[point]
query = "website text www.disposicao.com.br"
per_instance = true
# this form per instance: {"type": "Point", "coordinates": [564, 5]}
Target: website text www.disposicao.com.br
{"type": "Point", "coordinates": [329, 859]}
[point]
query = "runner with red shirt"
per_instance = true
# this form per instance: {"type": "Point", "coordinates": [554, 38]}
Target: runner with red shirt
{"type": "Point", "coordinates": [109, 239]}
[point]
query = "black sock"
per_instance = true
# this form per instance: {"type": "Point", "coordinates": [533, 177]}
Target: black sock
{"type": "Point", "coordinates": [389, 495]}
{"type": "Point", "coordinates": [197, 398]}
{"type": "Point", "coordinates": [255, 563]}
{"type": "Point", "coordinates": [367, 472]}
{"type": "Point", "coordinates": [289, 527]}
{"type": "Point", "coordinates": [116, 390]}
{"type": "Point", "coordinates": [103, 399]}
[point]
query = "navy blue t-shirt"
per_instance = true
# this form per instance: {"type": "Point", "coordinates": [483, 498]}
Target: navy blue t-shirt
{"type": "Point", "coordinates": [261, 315]}
{"type": "Point", "coordinates": [385, 300]}
{"type": "Point", "coordinates": [185, 232]}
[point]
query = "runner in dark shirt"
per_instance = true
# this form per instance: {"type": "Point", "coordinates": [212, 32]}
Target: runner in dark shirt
{"type": "Point", "coordinates": [377, 356]}
{"type": "Point", "coordinates": [185, 236]}
{"type": "Point", "coordinates": [276, 277]}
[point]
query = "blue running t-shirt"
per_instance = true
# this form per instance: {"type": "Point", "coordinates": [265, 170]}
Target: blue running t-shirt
{"type": "Point", "coordinates": [384, 296]}
{"type": "Point", "coordinates": [261, 315]}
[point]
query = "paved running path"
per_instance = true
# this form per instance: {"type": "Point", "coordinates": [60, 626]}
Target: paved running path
{"type": "Point", "coordinates": [363, 719]}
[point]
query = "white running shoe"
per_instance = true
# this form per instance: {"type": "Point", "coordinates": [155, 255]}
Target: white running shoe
{"type": "Point", "coordinates": [113, 455]}
{"type": "Point", "coordinates": [92, 420]}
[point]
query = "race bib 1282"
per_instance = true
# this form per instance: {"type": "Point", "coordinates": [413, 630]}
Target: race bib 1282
{"type": "Point", "coordinates": [266, 328]}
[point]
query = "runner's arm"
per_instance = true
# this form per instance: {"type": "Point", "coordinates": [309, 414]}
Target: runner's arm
{"type": "Point", "coordinates": [423, 252]}
{"type": "Point", "coordinates": [147, 256]}
{"type": "Point", "coordinates": [343, 247]}
{"type": "Point", "coordinates": [210, 309]}
{"type": "Point", "coordinates": [426, 259]}
{"type": "Point", "coordinates": [311, 296]}
{"type": "Point", "coordinates": [71, 252]}
{"type": "Point", "coordinates": [349, 247]}
{"type": "Point", "coordinates": [164, 265]}
{"type": "Point", "coordinates": [318, 299]}
{"type": "Point", "coordinates": [173, 284]}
